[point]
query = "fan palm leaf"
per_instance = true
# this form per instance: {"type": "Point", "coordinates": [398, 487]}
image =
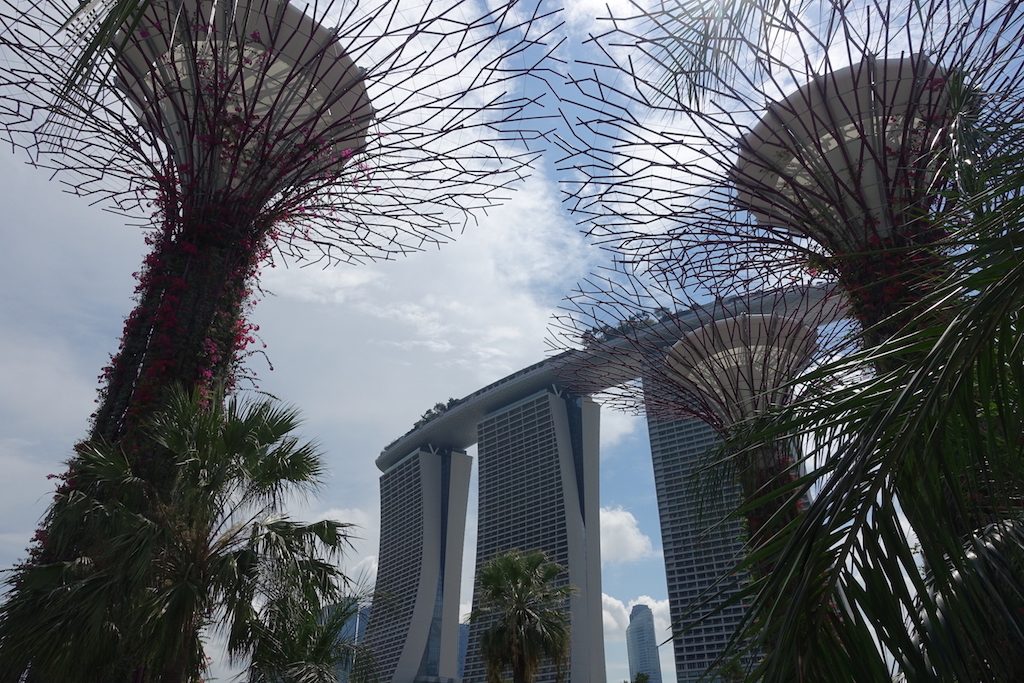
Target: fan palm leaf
{"type": "Point", "coordinates": [206, 544]}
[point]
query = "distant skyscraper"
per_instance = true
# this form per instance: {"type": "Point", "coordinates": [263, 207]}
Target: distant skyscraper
{"type": "Point", "coordinates": [700, 546]}
{"type": "Point", "coordinates": [642, 645]}
{"type": "Point", "coordinates": [538, 460]}
{"type": "Point", "coordinates": [413, 634]}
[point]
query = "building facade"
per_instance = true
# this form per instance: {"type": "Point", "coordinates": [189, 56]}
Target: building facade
{"type": "Point", "coordinates": [538, 490]}
{"type": "Point", "coordinates": [701, 546]}
{"type": "Point", "coordinates": [642, 645]}
{"type": "Point", "coordinates": [413, 632]}
{"type": "Point", "coordinates": [463, 648]}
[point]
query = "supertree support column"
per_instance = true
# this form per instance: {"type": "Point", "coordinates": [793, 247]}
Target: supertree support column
{"type": "Point", "coordinates": [826, 142]}
{"type": "Point", "coordinates": [240, 134]}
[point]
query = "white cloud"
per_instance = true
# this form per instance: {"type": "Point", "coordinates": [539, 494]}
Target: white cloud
{"type": "Point", "coordinates": [616, 426]}
{"type": "Point", "coordinates": [319, 285]}
{"type": "Point", "coordinates": [585, 15]}
{"type": "Point", "coordinates": [616, 615]}
{"type": "Point", "coordinates": [437, 346]}
{"type": "Point", "coordinates": [621, 538]}
{"type": "Point", "coordinates": [430, 326]}
{"type": "Point", "coordinates": [363, 573]}
{"type": "Point", "coordinates": [46, 389]}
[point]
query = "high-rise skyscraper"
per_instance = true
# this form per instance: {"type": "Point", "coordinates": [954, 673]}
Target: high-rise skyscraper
{"type": "Point", "coordinates": [538, 460]}
{"type": "Point", "coordinates": [413, 632]}
{"type": "Point", "coordinates": [701, 546]}
{"type": "Point", "coordinates": [642, 645]}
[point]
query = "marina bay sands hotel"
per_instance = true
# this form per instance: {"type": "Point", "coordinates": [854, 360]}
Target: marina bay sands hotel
{"type": "Point", "coordinates": [537, 435]}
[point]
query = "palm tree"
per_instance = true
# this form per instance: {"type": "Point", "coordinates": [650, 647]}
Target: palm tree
{"type": "Point", "coordinates": [906, 456]}
{"type": "Point", "coordinates": [302, 646]}
{"type": "Point", "coordinates": [206, 548]}
{"type": "Point", "coordinates": [525, 610]}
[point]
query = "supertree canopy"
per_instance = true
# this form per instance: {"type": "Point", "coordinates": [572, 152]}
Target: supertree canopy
{"type": "Point", "coordinates": [243, 133]}
{"type": "Point", "coordinates": [648, 345]}
{"type": "Point", "coordinates": [745, 364]}
{"type": "Point", "coordinates": [296, 105]}
{"type": "Point", "coordinates": [820, 141]}
{"type": "Point", "coordinates": [850, 160]}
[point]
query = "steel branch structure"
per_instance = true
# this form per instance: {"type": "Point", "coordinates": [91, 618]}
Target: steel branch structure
{"type": "Point", "coordinates": [254, 131]}
{"type": "Point", "coordinates": [823, 146]}
{"type": "Point", "coordinates": [366, 130]}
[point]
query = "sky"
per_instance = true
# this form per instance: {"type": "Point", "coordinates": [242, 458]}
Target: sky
{"type": "Point", "coordinates": [362, 351]}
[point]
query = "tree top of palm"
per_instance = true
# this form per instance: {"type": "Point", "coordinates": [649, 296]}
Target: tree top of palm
{"type": "Point", "coordinates": [524, 606]}
{"type": "Point", "coordinates": [208, 547]}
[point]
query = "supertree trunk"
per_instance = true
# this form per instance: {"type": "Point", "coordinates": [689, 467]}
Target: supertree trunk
{"type": "Point", "coordinates": [767, 470]}
{"type": "Point", "coordinates": [188, 325]}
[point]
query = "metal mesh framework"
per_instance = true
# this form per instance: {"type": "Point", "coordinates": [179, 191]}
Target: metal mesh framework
{"type": "Point", "coordinates": [821, 147]}
{"type": "Point", "coordinates": [252, 131]}
{"type": "Point", "coordinates": [364, 130]}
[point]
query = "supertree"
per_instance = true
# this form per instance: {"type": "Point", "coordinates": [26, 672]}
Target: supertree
{"type": "Point", "coordinates": [648, 346]}
{"type": "Point", "coordinates": [748, 147]}
{"type": "Point", "coordinates": [255, 132]}
{"type": "Point", "coordinates": [241, 134]}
